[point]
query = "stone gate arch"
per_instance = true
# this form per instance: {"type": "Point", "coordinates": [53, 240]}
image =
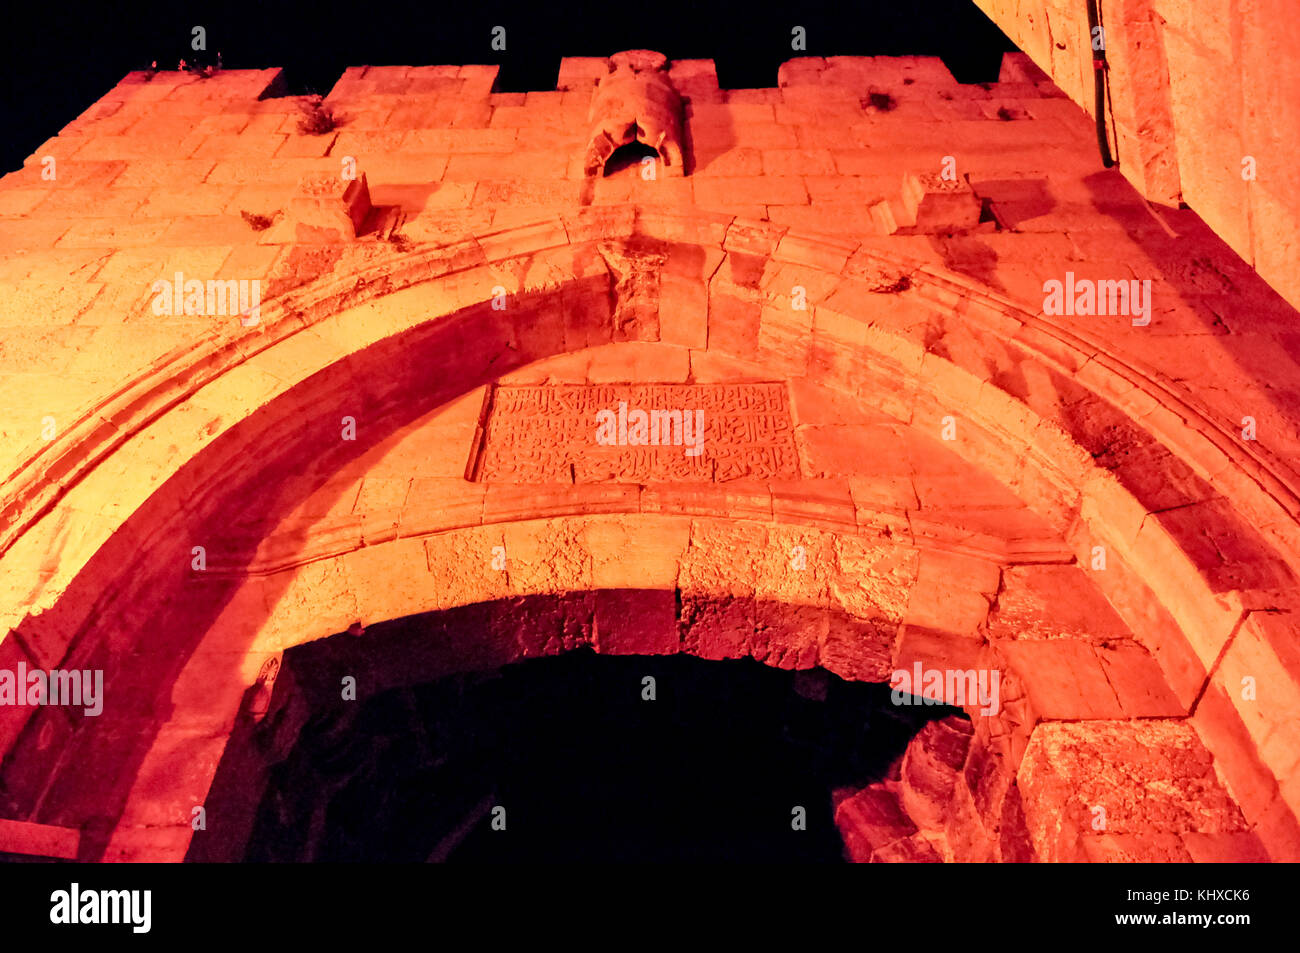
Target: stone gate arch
{"type": "Point", "coordinates": [211, 427]}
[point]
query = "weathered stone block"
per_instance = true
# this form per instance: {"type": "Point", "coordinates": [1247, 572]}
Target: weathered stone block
{"type": "Point", "coordinates": [327, 207]}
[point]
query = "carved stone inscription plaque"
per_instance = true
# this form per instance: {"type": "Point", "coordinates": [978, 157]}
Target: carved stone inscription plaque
{"type": "Point", "coordinates": [636, 433]}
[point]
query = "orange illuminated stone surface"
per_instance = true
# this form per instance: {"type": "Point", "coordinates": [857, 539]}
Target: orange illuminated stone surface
{"type": "Point", "coordinates": [1084, 526]}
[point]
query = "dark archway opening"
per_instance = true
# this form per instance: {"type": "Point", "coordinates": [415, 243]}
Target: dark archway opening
{"type": "Point", "coordinates": [585, 766]}
{"type": "Point", "coordinates": [628, 157]}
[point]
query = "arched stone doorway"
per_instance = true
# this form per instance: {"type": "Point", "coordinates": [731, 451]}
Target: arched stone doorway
{"type": "Point", "coordinates": [991, 564]}
{"type": "Point", "coordinates": [401, 743]}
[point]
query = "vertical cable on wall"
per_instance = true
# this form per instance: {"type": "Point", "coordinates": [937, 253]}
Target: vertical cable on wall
{"type": "Point", "coordinates": [1099, 80]}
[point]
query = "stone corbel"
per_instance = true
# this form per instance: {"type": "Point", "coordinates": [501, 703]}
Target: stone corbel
{"type": "Point", "coordinates": [328, 208]}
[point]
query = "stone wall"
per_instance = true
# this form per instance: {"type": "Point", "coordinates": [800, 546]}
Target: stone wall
{"type": "Point", "coordinates": [1205, 105]}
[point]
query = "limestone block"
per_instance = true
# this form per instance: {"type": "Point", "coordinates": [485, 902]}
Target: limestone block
{"type": "Point", "coordinates": [941, 205]}
{"type": "Point", "coordinates": [1147, 779]}
{"type": "Point", "coordinates": [636, 622]}
{"type": "Point", "coordinates": [931, 766]}
{"type": "Point", "coordinates": [327, 207]}
{"type": "Point", "coordinates": [38, 840]}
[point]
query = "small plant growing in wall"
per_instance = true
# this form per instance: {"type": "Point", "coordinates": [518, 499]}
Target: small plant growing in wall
{"type": "Point", "coordinates": [317, 118]}
{"type": "Point", "coordinates": [897, 286]}
{"type": "Point", "coordinates": [196, 69]}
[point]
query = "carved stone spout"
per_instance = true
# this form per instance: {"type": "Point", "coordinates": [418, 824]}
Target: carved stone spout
{"type": "Point", "coordinates": [636, 102]}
